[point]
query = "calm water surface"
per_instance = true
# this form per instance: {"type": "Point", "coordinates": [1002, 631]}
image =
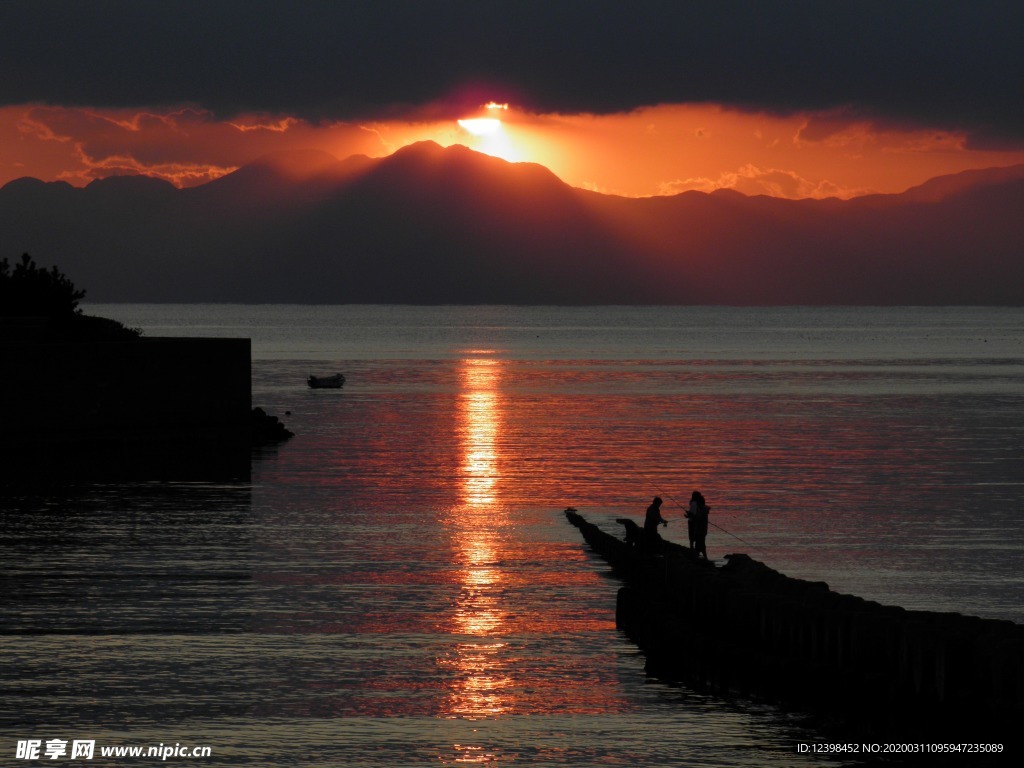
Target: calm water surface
{"type": "Point", "coordinates": [397, 585]}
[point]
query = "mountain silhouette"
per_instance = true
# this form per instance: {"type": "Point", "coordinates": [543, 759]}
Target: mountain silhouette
{"type": "Point", "coordinates": [449, 225]}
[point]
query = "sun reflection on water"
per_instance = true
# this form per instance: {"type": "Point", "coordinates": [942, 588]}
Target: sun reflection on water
{"type": "Point", "coordinates": [480, 687]}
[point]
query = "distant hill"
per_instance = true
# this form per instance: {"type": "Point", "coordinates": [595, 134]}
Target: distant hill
{"type": "Point", "coordinates": [434, 225]}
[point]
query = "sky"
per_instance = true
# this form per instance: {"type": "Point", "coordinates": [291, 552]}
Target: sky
{"type": "Point", "coordinates": [792, 99]}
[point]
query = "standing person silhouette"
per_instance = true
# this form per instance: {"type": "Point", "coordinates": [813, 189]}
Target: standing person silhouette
{"type": "Point", "coordinates": [652, 521]}
{"type": "Point", "coordinates": [697, 523]}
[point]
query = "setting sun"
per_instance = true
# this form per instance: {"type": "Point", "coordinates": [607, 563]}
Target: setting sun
{"type": "Point", "coordinates": [490, 135]}
{"type": "Point", "coordinates": [481, 126]}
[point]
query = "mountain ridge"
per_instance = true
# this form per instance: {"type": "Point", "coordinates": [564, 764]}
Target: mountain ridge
{"type": "Point", "coordinates": [449, 225]}
{"type": "Point", "coordinates": [304, 165]}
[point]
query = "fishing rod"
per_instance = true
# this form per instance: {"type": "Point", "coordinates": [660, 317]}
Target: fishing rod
{"type": "Point", "coordinates": [723, 530]}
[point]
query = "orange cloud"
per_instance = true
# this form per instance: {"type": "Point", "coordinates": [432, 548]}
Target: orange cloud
{"type": "Point", "coordinates": [658, 150]}
{"type": "Point", "coordinates": [675, 148]}
{"type": "Point", "coordinates": [185, 146]}
{"type": "Point", "coordinates": [753, 180]}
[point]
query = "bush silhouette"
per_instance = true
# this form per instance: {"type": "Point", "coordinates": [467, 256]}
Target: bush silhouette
{"type": "Point", "coordinates": [30, 291]}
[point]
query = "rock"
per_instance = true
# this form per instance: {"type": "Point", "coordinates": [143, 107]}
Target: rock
{"type": "Point", "coordinates": [267, 429]}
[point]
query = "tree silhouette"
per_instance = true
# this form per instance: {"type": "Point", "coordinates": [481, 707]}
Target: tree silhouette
{"type": "Point", "coordinates": [29, 290]}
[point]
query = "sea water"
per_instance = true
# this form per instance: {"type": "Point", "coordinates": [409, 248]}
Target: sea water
{"type": "Point", "coordinates": [397, 584]}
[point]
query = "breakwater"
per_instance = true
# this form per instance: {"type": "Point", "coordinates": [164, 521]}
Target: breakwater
{"type": "Point", "coordinates": [153, 407]}
{"type": "Point", "coordinates": [746, 629]}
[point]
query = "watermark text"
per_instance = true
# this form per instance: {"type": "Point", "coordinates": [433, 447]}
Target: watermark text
{"type": "Point", "coordinates": [87, 749]}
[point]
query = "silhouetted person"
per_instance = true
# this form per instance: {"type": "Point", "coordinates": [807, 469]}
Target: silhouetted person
{"type": "Point", "coordinates": [634, 533]}
{"type": "Point", "coordinates": [697, 523]}
{"type": "Point", "coordinates": [653, 520]}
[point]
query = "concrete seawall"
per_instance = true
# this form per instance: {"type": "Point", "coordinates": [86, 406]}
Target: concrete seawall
{"type": "Point", "coordinates": [158, 407]}
{"type": "Point", "coordinates": [747, 629]}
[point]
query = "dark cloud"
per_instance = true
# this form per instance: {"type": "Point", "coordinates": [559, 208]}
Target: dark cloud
{"type": "Point", "coordinates": [950, 64]}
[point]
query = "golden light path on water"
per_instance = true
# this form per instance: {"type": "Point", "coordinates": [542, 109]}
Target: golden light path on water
{"type": "Point", "coordinates": [481, 689]}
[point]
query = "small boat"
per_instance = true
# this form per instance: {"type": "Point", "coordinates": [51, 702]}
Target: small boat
{"type": "Point", "coordinates": [326, 382]}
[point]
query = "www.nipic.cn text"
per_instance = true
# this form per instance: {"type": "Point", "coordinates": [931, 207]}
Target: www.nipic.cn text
{"type": "Point", "coordinates": [86, 749]}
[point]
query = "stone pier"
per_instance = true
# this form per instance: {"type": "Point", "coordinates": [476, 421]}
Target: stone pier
{"type": "Point", "coordinates": [745, 629]}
